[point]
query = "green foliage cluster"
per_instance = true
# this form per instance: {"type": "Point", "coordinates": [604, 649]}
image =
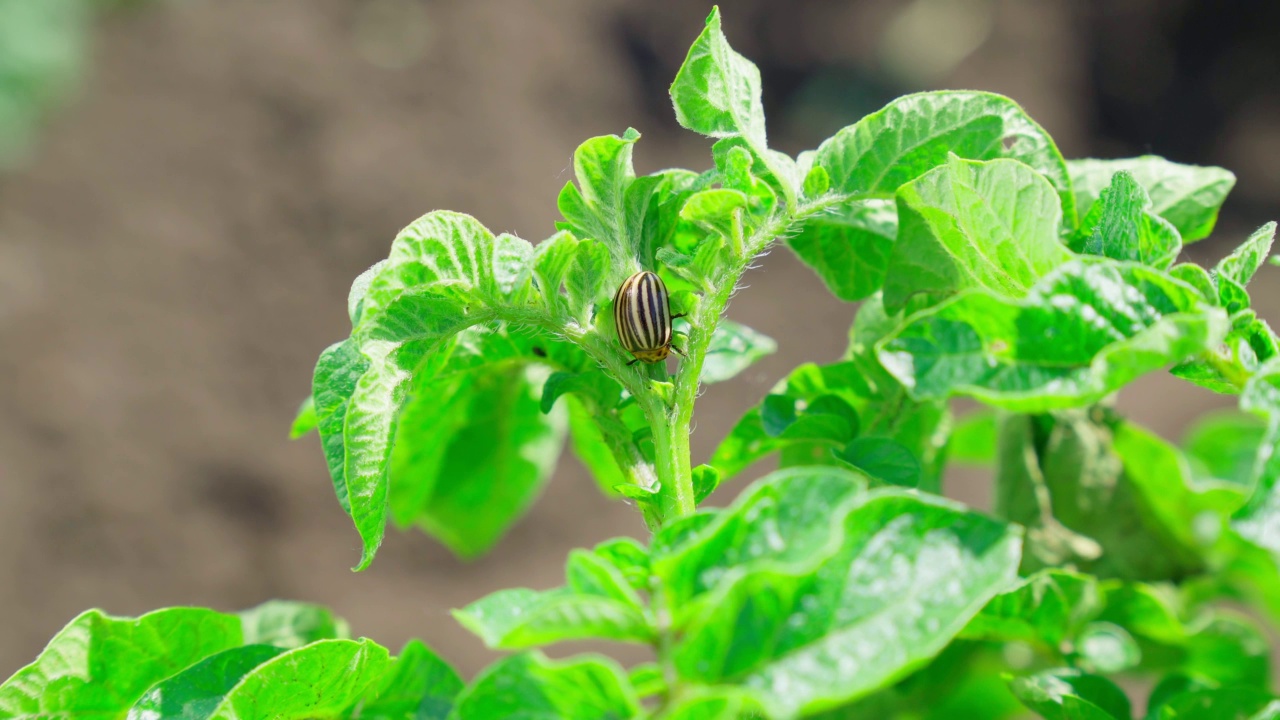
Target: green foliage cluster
{"type": "Point", "coordinates": [842, 585]}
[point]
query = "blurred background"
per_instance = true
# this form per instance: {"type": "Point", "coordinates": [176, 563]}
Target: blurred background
{"type": "Point", "coordinates": [188, 187]}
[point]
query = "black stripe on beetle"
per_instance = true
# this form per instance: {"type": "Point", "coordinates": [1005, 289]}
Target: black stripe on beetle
{"type": "Point", "coordinates": [642, 315]}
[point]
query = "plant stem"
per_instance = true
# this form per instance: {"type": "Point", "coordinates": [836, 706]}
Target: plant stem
{"type": "Point", "coordinates": [671, 422]}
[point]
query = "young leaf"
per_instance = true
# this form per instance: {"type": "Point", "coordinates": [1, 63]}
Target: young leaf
{"type": "Point", "coordinates": [915, 134]}
{"type": "Point", "coordinates": [291, 624]}
{"type": "Point", "coordinates": [1072, 695]}
{"type": "Point", "coordinates": [551, 260]}
{"type": "Point", "coordinates": [849, 246]}
{"type": "Point", "coordinates": [1081, 333]}
{"type": "Point", "coordinates": [588, 687]}
{"type": "Point", "coordinates": [520, 618]}
{"type": "Point", "coordinates": [1121, 226]}
{"type": "Point", "coordinates": [419, 685]}
{"type": "Point", "coordinates": [596, 208]}
{"type": "Point", "coordinates": [587, 280]}
{"type": "Point", "coordinates": [787, 592]}
{"type": "Point", "coordinates": [1245, 260]}
{"type": "Point", "coordinates": [1188, 196]}
{"type": "Point", "coordinates": [100, 664]}
{"type": "Point", "coordinates": [968, 224]}
{"type": "Point", "coordinates": [305, 421]}
{"type": "Point", "coordinates": [717, 91]}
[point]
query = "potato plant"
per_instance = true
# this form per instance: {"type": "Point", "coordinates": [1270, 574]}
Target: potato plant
{"type": "Point", "coordinates": [843, 585]}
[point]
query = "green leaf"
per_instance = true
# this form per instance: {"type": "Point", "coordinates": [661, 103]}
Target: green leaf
{"type": "Point", "coordinates": [359, 289]}
{"type": "Point", "coordinates": [1107, 648]}
{"type": "Point", "coordinates": [826, 418]}
{"type": "Point", "coordinates": [1224, 446]}
{"type": "Point", "coordinates": [785, 592]}
{"type": "Point", "coordinates": [1082, 332]}
{"type": "Point", "coordinates": [443, 275]}
{"type": "Point", "coordinates": [305, 421]}
{"type": "Point", "coordinates": [1072, 695]}
{"type": "Point", "coordinates": [705, 481]}
{"type": "Point", "coordinates": [596, 208]}
{"type": "Point", "coordinates": [849, 246]}
{"type": "Point", "coordinates": [337, 372]}
{"type": "Point", "coordinates": [1188, 196]}
{"type": "Point", "coordinates": [316, 680]}
{"type": "Point", "coordinates": [288, 624]}
{"type": "Point", "coordinates": [473, 450]}
{"type": "Point", "coordinates": [1259, 520]}
{"type": "Point", "coordinates": [551, 260]}
{"type": "Point", "coordinates": [916, 133]}
{"type": "Point", "coordinates": [598, 604]}
{"type": "Point", "coordinates": [1245, 260]}
{"type": "Point", "coordinates": [98, 666]}
{"type": "Point", "coordinates": [733, 348]}
{"type": "Point", "coordinates": [647, 679]}
{"type": "Point", "coordinates": [1218, 704]}
{"type": "Point", "coordinates": [716, 210]}
{"type": "Point", "coordinates": [587, 687]}
{"type": "Point", "coordinates": [629, 557]}
{"type": "Point", "coordinates": [717, 91]}
{"type": "Point", "coordinates": [419, 686]}
{"type": "Point", "coordinates": [195, 693]}
{"type": "Point", "coordinates": [592, 448]}
{"type": "Point", "coordinates": [884, 460]}
{"type": "Point", "coordinates": [1045, 609]}
{"type": "Point", "coordinates": [603, 392]}
{"type": "Point", "coordinates": [969, 224]}
{"type": "Point", "coordinates": [437, 266]}
{"type": "Point", "coordinates": [973, 440]}
{"type": "Point", "coordinates": [1122, 226]}
{"type": "Point", "coordinates": [587, 280]}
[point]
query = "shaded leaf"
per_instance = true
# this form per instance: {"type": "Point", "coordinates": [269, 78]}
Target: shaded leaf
{"type": "Point", "coordinates": [418, 686]}
{"type": "Point", "coordinates": [1082, 332]}
{"type": "Point", "coordinates": [1188, 196]}
{"type": "Point", "coordinates": [587, 687]}
{"type": "Point", "coordinates": [733, 348]}
{"type": "Point", "coordinates": [1072, 695]}
{"type": "Point", "coordinates": [849, 246]}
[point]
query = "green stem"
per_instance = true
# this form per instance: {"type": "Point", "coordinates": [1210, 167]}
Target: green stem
{"type": "Point", "coordinates": [670, 419]}
{"type": "Point", "coordinates": [1232, 372]}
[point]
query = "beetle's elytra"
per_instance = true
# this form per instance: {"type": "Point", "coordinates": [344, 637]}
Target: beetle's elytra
{"type": "Point", "coordinates": [642, 315]}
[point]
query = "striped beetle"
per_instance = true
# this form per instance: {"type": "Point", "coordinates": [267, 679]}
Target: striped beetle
{"type": "Point", "coordinates": [642, 315]}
